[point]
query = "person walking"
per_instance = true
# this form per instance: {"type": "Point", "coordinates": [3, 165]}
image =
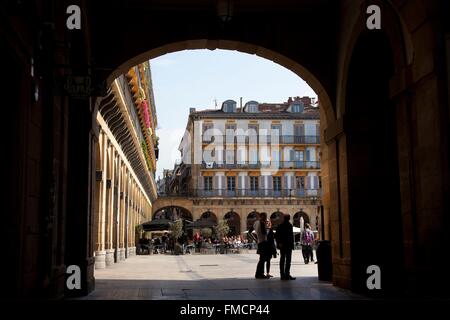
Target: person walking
{"type": "Point", "coordinates": [271, 247]}
{"type": "Point", "coordinates": [197, 242]}
{"type": "Point", "coordinates": [307, 240]}
{"type": "Point", "coordinates": [285, 242]}
{"type": "Point", "coordinates": [261, 236]}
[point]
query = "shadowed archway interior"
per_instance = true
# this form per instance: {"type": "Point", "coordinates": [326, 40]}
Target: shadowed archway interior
{"type": "Point", "coordinates": [373, 166]}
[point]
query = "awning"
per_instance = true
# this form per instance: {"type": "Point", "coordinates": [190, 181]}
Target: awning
{"type": "Point", "coordinates": [156, 225]}
{"type": "Point", "coordinates": [202, 223]}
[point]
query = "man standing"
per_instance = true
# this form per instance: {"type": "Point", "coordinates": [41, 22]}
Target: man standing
{"type": "Point", "coordinates": [261, 234]}
{"type": "Point", "coordinates": [285, 242]}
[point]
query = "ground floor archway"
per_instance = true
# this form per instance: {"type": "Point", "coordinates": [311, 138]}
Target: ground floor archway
{"type": "Point", "coordinates": [234, 223]}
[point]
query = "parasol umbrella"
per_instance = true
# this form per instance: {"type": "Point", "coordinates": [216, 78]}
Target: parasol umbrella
{"type": "Point", "coordinates": [156, 225]}
{"type": "Point", "coordinates": [202, 223]}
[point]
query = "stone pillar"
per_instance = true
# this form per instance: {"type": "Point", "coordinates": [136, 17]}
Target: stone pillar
{"type": "Point", "coordinates": [122, 214]}
{"type": "Point", "coordinates": [100, 253]}
{"type": "Point", "coordinates": [117, 211]}
{"type": "Point", "coordinates": [110, 207]}
{"type": "Point", "coordinates": [133, 225]}
{"type": "Point", "coordinates": [243, 218]}
{"type": "Point", "coordinates": [79, 246]}
{"type": "Point", "coordinates": [131, 221]}
{"type": "Point", "coordinates": [126, 218]}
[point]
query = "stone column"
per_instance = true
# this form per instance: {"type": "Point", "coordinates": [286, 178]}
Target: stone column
{"type": "Point", "coordinates": [122, 213]}
{"type": "Point", "coordinates": [243, 218]}
{"type": "Point", "coordinates": [133, 226]}
{"type": "Point", "coordinates": [117, 211]}
{"type": "Point", "coordinates": [100, 253]}
{"type": "Point", "coordinates": [110, 208]}
{"type": "Point", "coordinates": [79, 247]}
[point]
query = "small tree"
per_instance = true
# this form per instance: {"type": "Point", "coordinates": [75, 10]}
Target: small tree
{"type": "Point", "coordinates": [206, 232]}
{"type": "Point", "coordinates": [138, 231]}
{"type": "Point", "coordinates": [222, 229]}
{"type": "Point", "coordinates": [176, 229]}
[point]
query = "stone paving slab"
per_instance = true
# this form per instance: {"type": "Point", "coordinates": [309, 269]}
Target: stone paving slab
{"type": "Point", "coordinates": [209, 277]}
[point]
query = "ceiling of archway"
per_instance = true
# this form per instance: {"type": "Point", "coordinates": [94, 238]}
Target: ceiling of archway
{"type": "Point", "coordinates": [301, 31]}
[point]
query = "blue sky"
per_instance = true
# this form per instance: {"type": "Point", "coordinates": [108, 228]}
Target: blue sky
{"type": "Point", "coordinates": [196, 78]}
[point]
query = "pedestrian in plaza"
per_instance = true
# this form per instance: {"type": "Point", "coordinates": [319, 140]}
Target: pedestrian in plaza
{"type": "Point", "coordinates": [307, 240]}
{"type": "Point", "coordinates": [197, 241]}
{"type": "Point", "coordinates": [261, 236]}
{"type": "Point", "coordinates": [164, 240]}
{"type": "Point", "coordinates": [271, 247]}
{"type": "Point", "coordinates": [285, 242]}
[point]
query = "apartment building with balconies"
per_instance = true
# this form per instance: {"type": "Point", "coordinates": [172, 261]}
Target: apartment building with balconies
{"type": "Point", "coordinates": [252, 158]}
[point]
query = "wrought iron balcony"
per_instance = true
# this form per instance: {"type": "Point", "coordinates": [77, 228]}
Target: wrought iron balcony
{"type": "Point", "coordinates": [267, 164]}
{"type": "Point", "coordinates": [259, 193]}
{"type": "Point", "coordinates": [311, 194]}
{"type": "Point", "coordinates": [263, 139]}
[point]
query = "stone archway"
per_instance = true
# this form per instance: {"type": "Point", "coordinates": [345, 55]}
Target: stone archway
{"type": "Point", "coordinates": [209, 215]}
{"type": "Point", "coordinates": [297, 220]}
{"type": "Point", "coordinates": [234, 222]}
{"type": "Point", "coordinates": [276, 218]}
{"type": "Point", "coordinates": [327, 109]}
{"type": "Point", "coordinates": [251, 218]}
{"type": "Point", "coordinates": [298, 215]}
{"type": "Point", "coordinates": [173, 213]}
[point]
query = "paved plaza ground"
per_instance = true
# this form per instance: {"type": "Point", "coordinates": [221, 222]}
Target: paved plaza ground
{"type": "Point", "coordinates": [210, 277]}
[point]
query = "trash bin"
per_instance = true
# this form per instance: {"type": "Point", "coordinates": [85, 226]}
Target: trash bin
{"type": "Point", "coordinates": [324, 264]}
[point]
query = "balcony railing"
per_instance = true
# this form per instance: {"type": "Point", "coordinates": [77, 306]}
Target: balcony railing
{"type": "Point", "coordinates": [256, 139]}
{"type": "Point", "coordinates": [312, 194]}
{"type": "Point", "coordinates": [129, 104]}
{"type": "Point", "coordinates": [258, 165]}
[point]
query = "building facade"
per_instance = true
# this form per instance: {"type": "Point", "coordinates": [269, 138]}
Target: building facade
{"type": "Point", "coordinates": [126, 164]}
{"type": "Point", "coordinates": [238, 162]}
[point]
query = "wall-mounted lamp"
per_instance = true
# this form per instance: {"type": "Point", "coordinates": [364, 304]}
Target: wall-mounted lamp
{"type": "Point", "coordinates": [224, 10]}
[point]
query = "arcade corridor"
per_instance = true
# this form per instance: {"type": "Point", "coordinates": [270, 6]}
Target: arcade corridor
{"type": "Point", "coordinates": [385, 112]}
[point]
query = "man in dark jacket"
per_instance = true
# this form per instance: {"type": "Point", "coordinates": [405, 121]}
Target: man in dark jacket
{"type": "Point", "coordinates": [285, 242]}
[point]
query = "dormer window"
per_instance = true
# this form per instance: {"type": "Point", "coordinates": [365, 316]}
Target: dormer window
{"type": "Point", "coordinates": [297, 107]}
{"type": "Point", "coordinates": [252, 106]}
{"type": "Point", "coordinates": [229, 106]}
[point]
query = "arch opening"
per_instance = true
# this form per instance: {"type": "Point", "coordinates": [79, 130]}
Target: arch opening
{"type": "Point", "coordinates": [234, 223]}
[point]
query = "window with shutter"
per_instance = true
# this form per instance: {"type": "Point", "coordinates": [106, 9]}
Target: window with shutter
{"type": "Point", "coordinates": [231, 183]}
{"type": "Point", "coordinates": [262, 180]}
{"type": "Point", "coordinates": [254, 183]}
{"type": "Point", "coordinates": [316, 182]}
{"type": "Point", "coordinates": [208, 184]}
{"type": "Point", "coordinates": [276, 183]}
{"type": "Point", "coordinates": [216, 182]}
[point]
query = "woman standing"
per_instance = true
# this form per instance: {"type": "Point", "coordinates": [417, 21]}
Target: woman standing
{"type": "Point", "coordinates": [271, 247]}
